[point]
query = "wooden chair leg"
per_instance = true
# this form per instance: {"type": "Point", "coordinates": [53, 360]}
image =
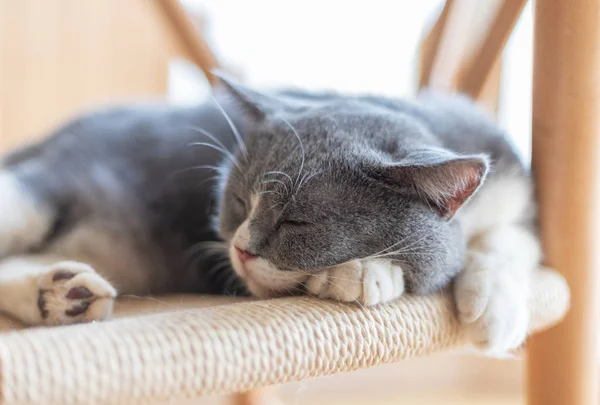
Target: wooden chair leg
{"type": "Point", "coordinates": [430, 45]}
{"type": "Point", "coordinates": [562, 363]}
{"type": "Point", "coordinates": [191, 40]}
{"type": "Point", "coordinates": [462, 50]}
{"type": "Point", "coordinates": [473, 79]}
{"type": "Point", "coordinates": [489, 97]}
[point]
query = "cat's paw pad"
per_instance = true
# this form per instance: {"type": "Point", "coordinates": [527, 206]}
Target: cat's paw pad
{"type": "Point", "coordinates": [72, 292]}
{"type": "Point", "coordinates": [367, 282]}
{"type": "Point", "coordinates": [494, 309]}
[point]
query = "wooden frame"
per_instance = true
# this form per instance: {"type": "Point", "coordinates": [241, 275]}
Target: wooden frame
{"type": "Point", "coordinates": [452, 60]}
{"type": "Point", "coordinates": [563, 362]}
{"type": "Point", "coordinates": [475, 73]}
{"type": "Point", "coordinates": [192, 42]}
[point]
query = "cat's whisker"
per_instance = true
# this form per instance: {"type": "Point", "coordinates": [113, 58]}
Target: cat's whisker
{"type": "Point", "coordinates": [327, 277]}
{"type": "Point", "coordinates": [291, 290]}
{"type": "Point", "coordinates": [234, 284]}
{"type": "Point", "coordinates": [210, 136]}
{"type": "Point", "coordinates": [398, 255]}
{"type": "Point", "coordinates": [229, 154]}
{"type": "Point", "coordinates": [429, 231]}
{"type": "Point", "coordinates": [401, 249]}
{"type": "Point", "coordinates": [337, 286]}
{"type": "Point", "coordinates": [207, 180]}
{"type": "Point", "coordinates": [217, 148]}
{"type": "Point", "coordinates": [235, 131]}
{"type": "Point", "coordinates": [353, 280]}
{"type": "Point", "coordinates": [222, 171]}
{"type": "Point", "coordinates": [205, 167]}
{"type": "Point", "coordinates": [151, 298]}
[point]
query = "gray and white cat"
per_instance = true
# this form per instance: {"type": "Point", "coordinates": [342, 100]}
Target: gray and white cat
{"type": "Point", "coordinates": [353, 198]}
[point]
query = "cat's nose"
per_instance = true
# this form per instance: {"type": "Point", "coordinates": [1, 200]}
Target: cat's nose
{"type": "Point", "coordinates": [244, 255]}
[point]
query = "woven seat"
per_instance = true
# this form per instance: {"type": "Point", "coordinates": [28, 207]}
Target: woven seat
{"type": "Point", "coordinates": [231, 345]}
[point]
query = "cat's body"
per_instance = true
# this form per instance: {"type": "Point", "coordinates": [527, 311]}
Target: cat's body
{"type": "Point", "coordinates": [343, 197]}
{"type": "Point", "coordinates": [125, 194]}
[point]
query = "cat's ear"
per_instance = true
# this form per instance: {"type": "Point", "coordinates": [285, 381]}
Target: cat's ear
{"type": "Point", "coordinates": [255, 104]}
{"type": "Point", "coordinates": [444, 180]}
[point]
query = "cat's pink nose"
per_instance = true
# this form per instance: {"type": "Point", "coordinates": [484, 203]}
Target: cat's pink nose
{"type": "Point", "coordinates": [244, 255]}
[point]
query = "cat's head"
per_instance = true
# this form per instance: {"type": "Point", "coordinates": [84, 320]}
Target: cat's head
{"type": "Point", "coordinates": [323, 180]}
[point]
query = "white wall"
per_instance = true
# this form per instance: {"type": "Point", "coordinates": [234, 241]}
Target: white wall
{"type": "Point", "coordinates": [354, 46]}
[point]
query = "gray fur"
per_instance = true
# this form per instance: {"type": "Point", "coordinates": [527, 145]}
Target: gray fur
{"type": "Point", "coordinates": [340, 178]}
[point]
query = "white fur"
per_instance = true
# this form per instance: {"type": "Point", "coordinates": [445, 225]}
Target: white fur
{"type": "Point", "coordinates": [23, 223]}
{"type": "Point", "coordinates": [500, 201]}
{"type": "Point", "coordinates": [23, 279]}
{"type": "Point", "coordinates": [263, 279]}
{"type": "Point", "coordinates": [491, 292]}
{"type": "Point", "coordinates": [368, 282]}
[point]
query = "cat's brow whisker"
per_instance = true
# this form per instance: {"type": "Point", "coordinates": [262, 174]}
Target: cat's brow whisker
{"type": "Point", "coordinates": [281, 173]}
{"type": "Point", "coordinates": [276, 181]}
{"type": "Point", "coordinates": [235, 131]}
{"type": "Point", "coordinates": [301, 147]}
{"type": "Point", "coordinates": [306, 179]}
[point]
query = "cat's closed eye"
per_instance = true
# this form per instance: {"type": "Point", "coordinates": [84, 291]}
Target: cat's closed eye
{"type": "Point", "coordinates": [294, 223]}
{"type": "Point", "coordinates": [240, 205]}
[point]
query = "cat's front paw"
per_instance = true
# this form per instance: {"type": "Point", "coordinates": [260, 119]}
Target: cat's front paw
{"type": "Point", "coordinates": [72, 292]}
{"type": "Point", "coordinates": [494, 309]}
{"type": "Point", "coordinates": [367, 282]}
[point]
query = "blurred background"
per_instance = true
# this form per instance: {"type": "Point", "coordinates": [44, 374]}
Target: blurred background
{"type": "Point", "coordinates": [61, 57]}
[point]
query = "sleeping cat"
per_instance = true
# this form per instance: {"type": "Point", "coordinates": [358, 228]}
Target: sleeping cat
{"type": "Point", "coordinates": [352, 198]}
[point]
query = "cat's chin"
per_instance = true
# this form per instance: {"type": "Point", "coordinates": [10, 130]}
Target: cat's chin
{"type": "Point", "coordinates": [264, 280]}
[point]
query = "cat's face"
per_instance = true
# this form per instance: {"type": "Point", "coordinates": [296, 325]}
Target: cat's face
{"type": "Point", "coordinates": [317, 186]}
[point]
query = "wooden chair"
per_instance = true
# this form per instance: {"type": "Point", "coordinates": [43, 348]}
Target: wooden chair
{"type": "Point", "coordinates": [562, 362]}
{"type": "Point", "coordinates": [174, 352]}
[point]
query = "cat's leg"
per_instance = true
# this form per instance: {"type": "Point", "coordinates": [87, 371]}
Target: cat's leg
{"type": "Point", "coordinates": [24, 221]}
{"type": "Point", "coordinates": [367, 282]}
{"type": "Point", "coordinates": [492, 291]}
{"type": "Point", "coordinates": [43, 290]}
